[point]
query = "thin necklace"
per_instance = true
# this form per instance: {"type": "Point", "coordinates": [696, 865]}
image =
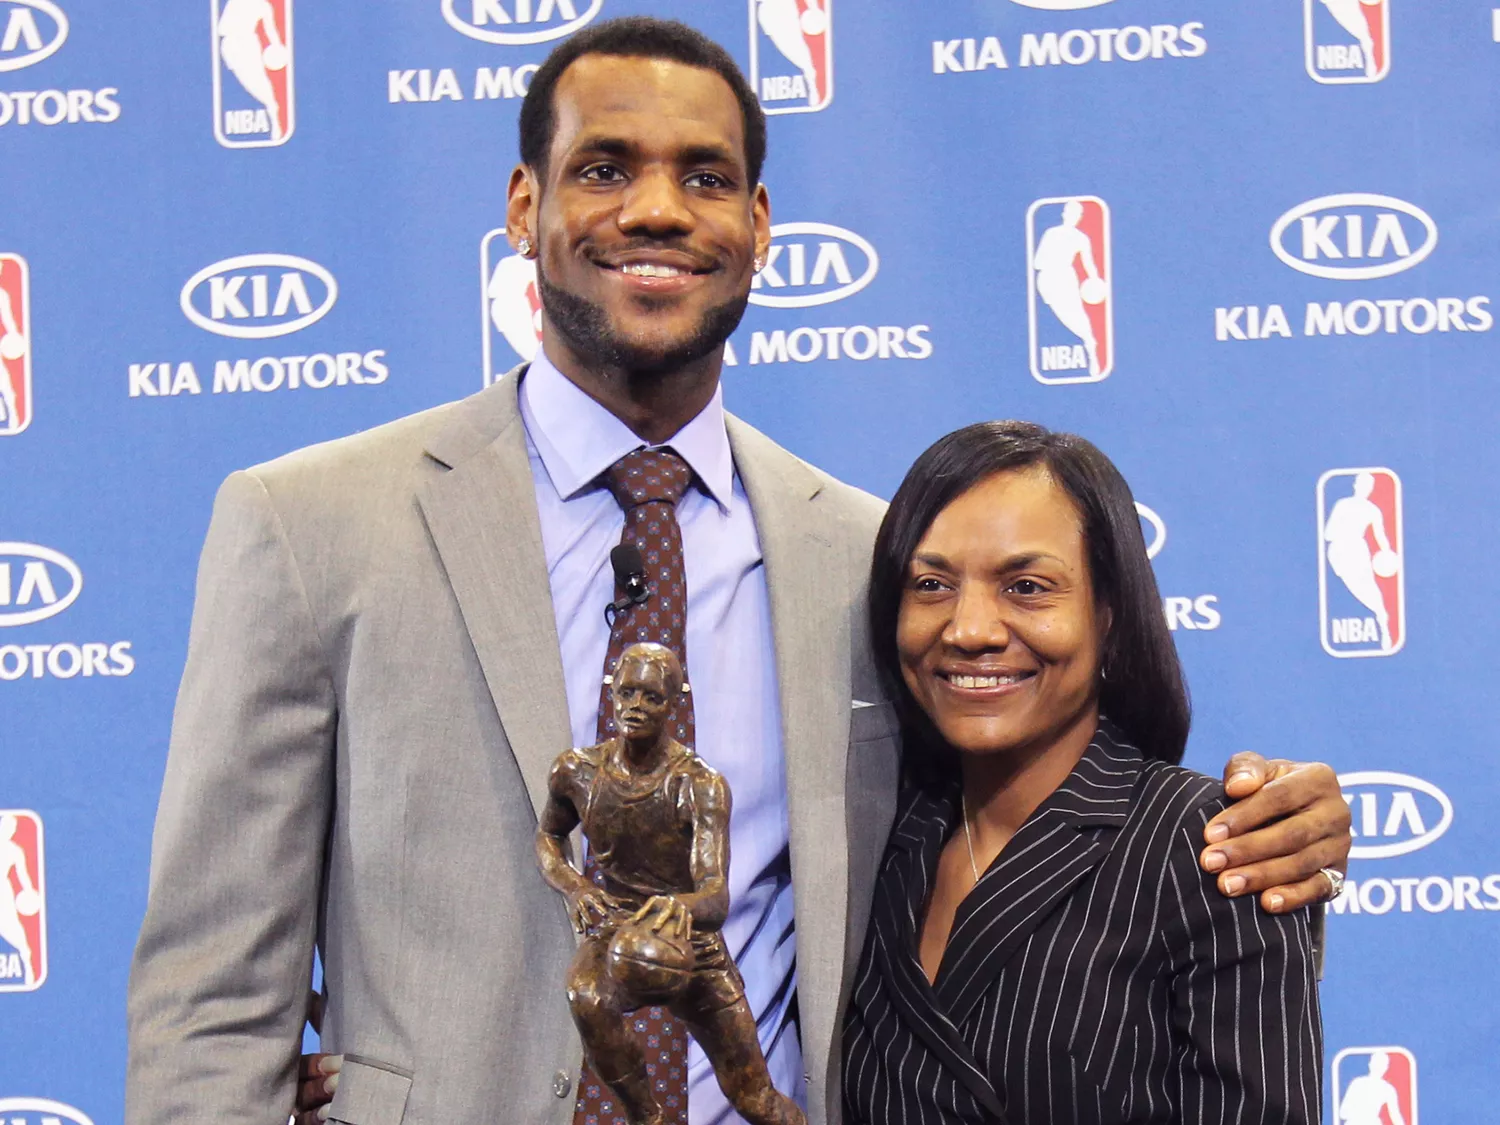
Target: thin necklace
{"type": "Point", "coordinates": [968, 839]}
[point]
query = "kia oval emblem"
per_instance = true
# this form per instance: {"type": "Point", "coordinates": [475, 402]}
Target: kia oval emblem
{"type": "Point", "coordinates": [812, 255]}
{"type": "Point", "coordinates": [496, 9]}
{"type": "Point", "coordinates": [1328, 232]}
{"type": "Point", "coordinates": [255, 288]}
{"type": "Point", "coordinates": [25, 31]}
{"type": "Point", "coordinates": [29, 590]}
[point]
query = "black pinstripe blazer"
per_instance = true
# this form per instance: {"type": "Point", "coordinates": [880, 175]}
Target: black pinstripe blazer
{"type": "Point", "coordinates": [1094, 974]}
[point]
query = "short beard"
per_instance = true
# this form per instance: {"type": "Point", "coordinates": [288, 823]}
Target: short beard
{"type": "Point", "coordinates": [587, 329]}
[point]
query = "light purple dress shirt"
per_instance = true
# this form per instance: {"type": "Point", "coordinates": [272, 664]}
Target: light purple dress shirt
{"type": "Point", "coordinates": [731, 665]}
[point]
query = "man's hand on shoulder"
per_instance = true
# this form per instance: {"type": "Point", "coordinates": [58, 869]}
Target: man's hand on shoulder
{"type": "Point", "coordinates": [317, 1075]}
{"type": "Point", "coordinates": [1287, 823]}
{"type": "Point", "coordinates": [317, 1080]}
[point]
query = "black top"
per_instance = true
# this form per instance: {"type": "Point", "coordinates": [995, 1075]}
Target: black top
{"type": "Point", "coordinates": [1094, 974]}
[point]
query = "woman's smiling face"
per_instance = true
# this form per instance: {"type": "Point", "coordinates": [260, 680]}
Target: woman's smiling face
{"type": "Point", "coordinates": [998, 633]}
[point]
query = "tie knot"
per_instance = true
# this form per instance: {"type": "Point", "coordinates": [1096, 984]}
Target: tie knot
{"type": "Point", "coordinates": [648, 475]}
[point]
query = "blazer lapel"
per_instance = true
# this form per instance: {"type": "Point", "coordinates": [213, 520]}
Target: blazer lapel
{"type": "Point", "coordinates": [1053, 851]}
{"type": "Point", "coordinates": [900, 896]}
{"type": "Point", "coordinates": [483, 519]}
{"type": "Point", "coordinates": [806, 575]}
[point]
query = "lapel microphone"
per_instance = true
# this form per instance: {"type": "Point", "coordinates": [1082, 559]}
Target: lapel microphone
{"type": "Point", "coordinates": [630, 576]}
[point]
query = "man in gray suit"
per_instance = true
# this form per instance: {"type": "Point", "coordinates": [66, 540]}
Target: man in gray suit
{"type": "Point", "coordinates": [387, 655]}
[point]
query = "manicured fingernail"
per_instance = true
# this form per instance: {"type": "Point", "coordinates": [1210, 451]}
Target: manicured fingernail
{"type": "Point", "coordinates": [1217, 832]}
{"type": "Point", "coordinates": [322, 1113]}
{"type": "Point", "coordinates": [330, 1064]}
{"type": "Point", "coordinates": [1214, 861]}
{"type": "Point", "coordinates": [1234, 884]}
{"type": "Point", "coordinates": [1241, 775]}
{"type": "Point", "coordinates": [331, 1084]}
{"type": "Point", "coordinates": [1276, 902]}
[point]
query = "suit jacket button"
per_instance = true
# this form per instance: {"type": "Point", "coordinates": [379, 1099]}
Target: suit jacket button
{"type": "Point", "coordinates": [561, 1083]}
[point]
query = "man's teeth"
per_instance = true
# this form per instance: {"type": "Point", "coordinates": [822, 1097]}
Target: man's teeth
{"type": "Point", "coordinates": [986, 681]}
{"type": "Point", "coordinates": [651, 269]}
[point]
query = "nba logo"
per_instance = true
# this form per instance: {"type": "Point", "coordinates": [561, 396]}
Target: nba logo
{"type": "Point", "coordinates": [1068, 299]}
{"type": "Point", "coordinates": [1347, 40]}
{"type": "Point", "coordinates": [791, 54]}
{"type": "Point", "coordinates": [23, 902]}
{"type": "Point", "coordinates": [15, 345]}
{"type": "Point", "coordinates": [511, 308]}
{"type": "Point", "coordinates": [1375, 1086]}
{"type": "Point", "coordinates": [252, 47]}
{"type": "Point", "coordinates": [1361, 562]}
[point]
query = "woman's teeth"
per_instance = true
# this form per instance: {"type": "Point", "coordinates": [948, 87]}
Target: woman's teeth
{"type": "Point", "coordinates": [986, 681]}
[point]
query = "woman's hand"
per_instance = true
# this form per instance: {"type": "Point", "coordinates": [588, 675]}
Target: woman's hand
{"type": "Point", "coordinates": [1287, 823]}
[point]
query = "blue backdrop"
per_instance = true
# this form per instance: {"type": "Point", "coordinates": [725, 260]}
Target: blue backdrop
{"type": "Point", "coordinates": [1247, 248]}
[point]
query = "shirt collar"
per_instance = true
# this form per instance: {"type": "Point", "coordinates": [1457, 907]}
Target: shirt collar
{"type": "Point", "coordinates": [1098, 792]}
{"type": "Point", "coordinates": [577, 439]}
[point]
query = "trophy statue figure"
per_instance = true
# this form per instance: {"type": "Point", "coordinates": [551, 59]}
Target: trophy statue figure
{"type": "Point", "coordinates": [657, 822]}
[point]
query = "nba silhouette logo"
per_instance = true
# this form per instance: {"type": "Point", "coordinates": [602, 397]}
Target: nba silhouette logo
{"type": "Point", "coordinates": [23, 902]}
{"type": "Point", "coordinates": [511, 308]}
{"type": "Point", "coordinates": [15, 345]}
{"type": "Point", "coordinates": [1361, 562]}
{"type": "Point", "coordinates": [1375, 1086]}
{"type": "Point", "coordinates": [1347, 40]}
{"type": "Point", "coordinates": [253, 71]}
{"type": "Point", "coordinates": [791, 54]}
{"type": "Point", "coordinates": [1069, 297]}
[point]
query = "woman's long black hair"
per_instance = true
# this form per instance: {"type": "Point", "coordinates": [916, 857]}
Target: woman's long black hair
{"type": "Point", "coordinates": [1142, 690]}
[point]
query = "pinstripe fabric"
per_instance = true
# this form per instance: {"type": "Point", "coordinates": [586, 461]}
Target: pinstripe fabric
{"type": "Point", "coordinates": [1094, 974]}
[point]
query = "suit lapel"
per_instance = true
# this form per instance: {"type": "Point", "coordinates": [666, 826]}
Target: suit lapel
{"type": "Point", "coordinates": [807, 577]}
{"type": "Point", "coordinates": [483, 519]}
{"type": "Point", "coordinates": [1054, 850]}
{"type": "Point", "coordinates": [900, 897]}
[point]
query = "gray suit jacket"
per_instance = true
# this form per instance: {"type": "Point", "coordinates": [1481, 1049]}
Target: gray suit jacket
{"type": "Point", "coordinates": [373, 697]}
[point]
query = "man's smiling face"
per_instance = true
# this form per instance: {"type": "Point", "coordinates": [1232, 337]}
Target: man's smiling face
{"type": "Point", "coordinates": [646, 225]}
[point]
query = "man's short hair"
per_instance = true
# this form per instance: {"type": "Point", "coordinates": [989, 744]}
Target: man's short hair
{"type": "Point", "coordinates": [637, 37]}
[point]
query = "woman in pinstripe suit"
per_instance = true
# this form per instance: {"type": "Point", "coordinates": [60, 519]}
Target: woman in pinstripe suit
{"type": "Point", "coordinates": [1044, 946]}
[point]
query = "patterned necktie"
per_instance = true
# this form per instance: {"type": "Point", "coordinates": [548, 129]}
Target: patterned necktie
{"type": "Point", "coordinates": [648, 484]}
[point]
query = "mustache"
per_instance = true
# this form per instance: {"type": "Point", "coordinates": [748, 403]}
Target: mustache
{"type": "Point", "coordinates": [638, 245]}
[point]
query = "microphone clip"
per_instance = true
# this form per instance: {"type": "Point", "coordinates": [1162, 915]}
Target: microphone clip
{"type": "Point", "coordinates": [630, 579]}
{"type": "Point", "coordinates": [636, 593]}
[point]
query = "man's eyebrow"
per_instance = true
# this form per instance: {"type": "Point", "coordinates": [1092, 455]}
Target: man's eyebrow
{"type": "Point", "coordinates": [707, 154]}
{"type": "Point", "coordinates": [620, 147]}
{"type": "Point", "coordinates": [606, 146]}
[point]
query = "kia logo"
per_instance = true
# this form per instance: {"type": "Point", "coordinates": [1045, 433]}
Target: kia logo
{"type": "Point", "coordinates": [1158, 537]}
{"type": "Point", "coordinates": [1060, 5]}
{"type": "Point", "coordinates": [506, 21]}
{"type": "Point", "coordinates": [40, 1111]}
{"type": "Point", "coordinates": [35, 583]}
{"type": "Point", "coordinates": [22, 30]}
{"type": "Point", "coordinates": [1393, 813]}
{"type": "Point", "coordinates": [1354, 236]}
{"type": "Point", "coordinates": [812, 262]}
{"type": "Point", "coordinates": [255, 296]}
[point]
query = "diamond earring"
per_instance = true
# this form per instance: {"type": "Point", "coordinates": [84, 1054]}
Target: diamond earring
{"type": "Point", "coordinates": [523, 245]}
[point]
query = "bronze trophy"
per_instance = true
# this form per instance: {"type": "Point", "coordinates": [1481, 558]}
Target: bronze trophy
{"type": "Point", "coordinates": [657, 822]}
